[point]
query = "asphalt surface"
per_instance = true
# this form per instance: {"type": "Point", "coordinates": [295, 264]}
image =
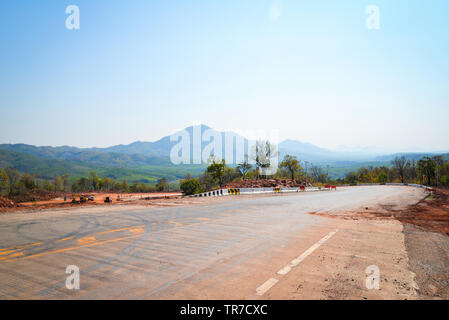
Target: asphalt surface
{"type": "Point", "coordinates": [144, 253]}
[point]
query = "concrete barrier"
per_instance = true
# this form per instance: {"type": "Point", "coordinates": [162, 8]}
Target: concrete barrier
{"type": "Point", "coordinates": [237, 191]}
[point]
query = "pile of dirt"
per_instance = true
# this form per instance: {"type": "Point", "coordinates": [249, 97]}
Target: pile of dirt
{"type": "Point", "coordinates": [264, 183]}
{"type": "Point", "coordinates": [430, 214]}
{"type": "Point", "coordinates": [6, 203]}
{"type": "Point", "coordinates": [38, 195]}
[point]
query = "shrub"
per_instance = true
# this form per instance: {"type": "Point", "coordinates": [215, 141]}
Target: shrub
{"type": "Point", "coordinates": [190, 186]}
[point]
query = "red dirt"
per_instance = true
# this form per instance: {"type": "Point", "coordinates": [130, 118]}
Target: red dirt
{"type": "Point", "coordinates": [431, 214]}
{"type": "Point", "coordinates": [117, 198]}
{"type": "Point", "coordinates": [264, 183]}
{"type": "Point", "coordinates": [39, 195]}
{"type": "Point", "coordinates": [6, 203]}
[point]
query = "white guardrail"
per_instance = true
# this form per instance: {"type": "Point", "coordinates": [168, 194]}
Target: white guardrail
{"type": "Point", "coordinates": [237, 191]}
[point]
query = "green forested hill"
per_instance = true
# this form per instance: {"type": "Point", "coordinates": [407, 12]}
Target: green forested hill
{"type": "Point", "coordinates": [46, 168]}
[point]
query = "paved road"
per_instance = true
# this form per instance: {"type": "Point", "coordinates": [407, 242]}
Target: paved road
{"type": "Point", "coordinates": [150, 252]}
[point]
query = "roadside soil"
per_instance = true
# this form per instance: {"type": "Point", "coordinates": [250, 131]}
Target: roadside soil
{"type": "Point", "coordinates": [264, 183]}
{"type": "Point", "coordinates": [7, 205]}
{"type": "Point", "coordinates": [425, 229]}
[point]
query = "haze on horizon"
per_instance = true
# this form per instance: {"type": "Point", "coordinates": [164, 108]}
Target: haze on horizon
{"type": "Point", "coordinates": [140, 70]}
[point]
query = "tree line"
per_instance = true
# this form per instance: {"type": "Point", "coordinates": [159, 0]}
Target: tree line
{"type": "Point", "coordinates": [430, 171]}
{"type": "Point", "coordinates": [13, 183]}
{"type": "Point", "coordinates": [427, 171]}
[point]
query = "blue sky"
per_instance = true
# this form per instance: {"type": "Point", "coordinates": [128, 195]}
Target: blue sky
{"type": "Point", "coordinates": [139, 70]}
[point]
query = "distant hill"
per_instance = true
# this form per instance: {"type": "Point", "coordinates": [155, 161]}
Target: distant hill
{"type": "Point", "coordinates": [45, 168]}
{"type": "Point", "coordinates": [409, 156]}
{"type": "Point", "coordinates": [146, 161]}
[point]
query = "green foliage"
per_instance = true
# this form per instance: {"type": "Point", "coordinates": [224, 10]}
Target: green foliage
{"type": "Point", "coordinates": [382, 177]}
{"type": "Point", "coordinates": [95, 181]}
{"type": "Point", "coordinates": [162, 184]}
{"type": "Point", "coordinates": [217, 170]}
{"type": "Point", "coordinates": [13, 179]}
{"type": "Point", "coordinates": [125, 186]}
{"type": "Point", "coordinates": [445, 180]}
{"type": "Point", "coordinates": [291, 165]}
{"type": "Point", "coordinates": [4, 182]}
{"type": "Point", "coordinates": [190, 186]}
{"type": "Point", "coordinates": [244, 167]}
{"type": "Point", "coordinates": [426, 167]}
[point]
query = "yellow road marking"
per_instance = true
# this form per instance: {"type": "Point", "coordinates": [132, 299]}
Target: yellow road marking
{"type": "Point", "coordinates": [8, 252]}
{"type": "Point", "coordinates": [22, 246]}
{"type": "Point", "coordinates": [64, 239]}
{"type": "Point", "coordinates": [4, 251]}
{"type": "Point", "coordinates": [72, 248]}
{"type": "Point", "coordinates": [204, 219]}
{"type": "Point", "coordinates": [121, 229]}
{"type": "Point", "coordinates": [85, 240]}
{"type": "Point", "coordinates": [137, 231]}
{"type": "Point", "coordinates": [18, 254]}
{"type": "Point", "coordinates": [178, 224]}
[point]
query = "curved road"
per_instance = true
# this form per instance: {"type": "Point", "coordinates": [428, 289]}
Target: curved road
{"type": "Point", "coordinates": [191, 251]}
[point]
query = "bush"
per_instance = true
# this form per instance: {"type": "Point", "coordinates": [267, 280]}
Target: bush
{"type": "Point", "coordinates": [382, 178]}
{"type": "Point", "coordinates": [190, 186]}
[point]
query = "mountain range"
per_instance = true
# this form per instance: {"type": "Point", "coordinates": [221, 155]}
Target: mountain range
{"type": "Point", "coordinates": [143, 161]}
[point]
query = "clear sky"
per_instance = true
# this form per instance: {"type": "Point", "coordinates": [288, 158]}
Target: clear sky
{"type": "Point", "coordinates": [138, 70]}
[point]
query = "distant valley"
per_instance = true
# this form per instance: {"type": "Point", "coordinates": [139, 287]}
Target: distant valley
{"type": "Point", "coordinates": [149, 161]}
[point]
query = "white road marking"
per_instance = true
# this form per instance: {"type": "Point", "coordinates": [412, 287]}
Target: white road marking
{"type": "Point", "coordinates": [266, 286]}
{"type": "Point", "coordinates": [260, 291]}
{"type": "Point", "coordinates": [306, 253]}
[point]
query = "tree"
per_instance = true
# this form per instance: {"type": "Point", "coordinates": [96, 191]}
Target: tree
{"type": "Point", "coordinates": [162, 184]}
{"type": "Point", "coordinates": [188, 176]}
{"type": "Point", "coordinates": [14, 178]}
{"type": "Point", "coordinates": [190, 186]}
{"type": "Point", "coordinates": [382, 177]}
{"type": "Point", "coordinates": [351, 178]}
{"type": "Point", "coordinates": [438, 166]}
{"type": "Point", "coordinates": [4, 182]}
{"type": "Point", "coordinates": [399, 163]}
{"type": "Point", "coordinates": [27, 182]}
{"type": "Point", "coordinates": [206, 181]}
{"type": "Point", "coordinates": [57, 183]}
{"type": "Point", "coordinates": [318, 174]}
{"type": "Point", "coordinates": [81, 184]}
{"type": "Point", "coordinates": [125, 186]}
{"type": "Point", "coordinates": [65, 182]}
{"type": "Point", "coordinates": [216, 170]}
{"type": "Point", "coordinates": [426, 167]}
{"type": "Point", "coordinates": [107, 183]}
{"type": "Point", "coordinates": [244, 167]}
{"type": "Point", "coordinates": [95, 180]}
{"type": "Point", "coordinates": [291, 164]}
{"type": "Point", "coordinates": [230, 174]}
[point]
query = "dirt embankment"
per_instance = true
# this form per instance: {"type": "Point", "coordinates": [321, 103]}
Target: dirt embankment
{"type": "Point", "coordinates": [426, 239]}
{"type": "Point", "coordinates": [431, 213]}
{"type": "Point", "coordinates": [39, 195]}
{"type": "Point", "coordinates": [6, 203]}
{"type": "Point", "coordinates": [51, 200]}
{"type": "Point", "coordinates": [265, 183]}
